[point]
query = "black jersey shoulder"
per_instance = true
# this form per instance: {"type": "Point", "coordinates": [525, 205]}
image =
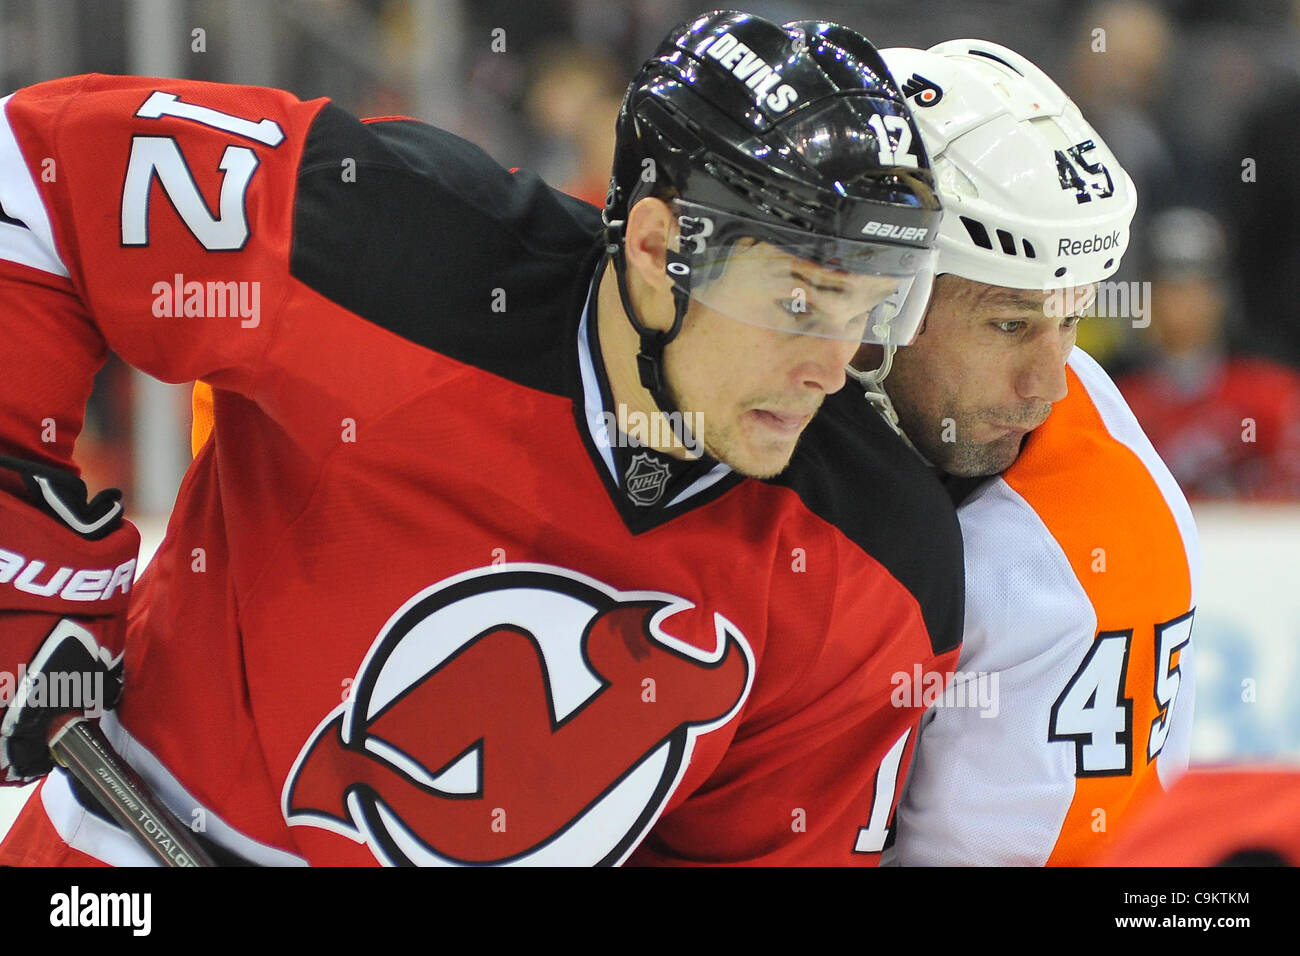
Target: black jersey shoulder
{"type": "Point", "coordinates": [421, 232]}
{"type": "Point", "coordinates": [960, 488]}
{"type": "Point", "coordinates": [854, 472]}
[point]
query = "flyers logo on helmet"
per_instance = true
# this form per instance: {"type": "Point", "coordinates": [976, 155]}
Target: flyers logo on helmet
{"type": "Point", "coordinates": [522, 713]}
{"type": "Point", "coordinates": [924, 92]}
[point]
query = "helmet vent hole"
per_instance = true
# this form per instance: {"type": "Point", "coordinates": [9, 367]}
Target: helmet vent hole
{"type": "Point", "coordinates": [1008, 242]}
{"type": "Point", "coordinates": [979, 235]}
{"type": "Point", "coordinates": [1109, 263]}
{"type": "Point", "coordinates": [1059, 272]}
{"type": "Point", "coordinates": [1029, 249]}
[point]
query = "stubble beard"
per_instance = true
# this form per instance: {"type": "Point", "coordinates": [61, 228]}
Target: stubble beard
{"type": "Point", "coordinates": [972, 460]}
{"type": "Point", "coordinates": [960, 457]}
{"type": "Point", "coordinates": [725, 444]}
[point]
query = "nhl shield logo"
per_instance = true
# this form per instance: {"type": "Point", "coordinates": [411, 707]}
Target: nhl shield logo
{"type": "Point", "coordinates": [645, 480]}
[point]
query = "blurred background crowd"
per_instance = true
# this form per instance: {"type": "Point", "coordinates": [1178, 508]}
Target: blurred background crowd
{"type": "Point", "coordinates": [1199, 100]}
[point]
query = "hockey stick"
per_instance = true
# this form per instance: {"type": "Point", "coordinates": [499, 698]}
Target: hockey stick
{"type": "Point", "coordinates": [85, 752]}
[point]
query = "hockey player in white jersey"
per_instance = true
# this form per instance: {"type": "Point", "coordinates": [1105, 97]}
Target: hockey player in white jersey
{"type": "Point", "coordinates": [1072, 704]}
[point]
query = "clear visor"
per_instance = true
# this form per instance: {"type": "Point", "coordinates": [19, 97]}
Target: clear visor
{"type": "Point", "coordinates": [789, 280]}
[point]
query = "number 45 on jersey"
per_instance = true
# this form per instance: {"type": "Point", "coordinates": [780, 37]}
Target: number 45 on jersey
{"type": "Point", "coordinates": [1093, 712]}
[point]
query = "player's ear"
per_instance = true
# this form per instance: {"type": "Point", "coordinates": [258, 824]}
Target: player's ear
{"type": "Point", "coordinates": [651, 226]}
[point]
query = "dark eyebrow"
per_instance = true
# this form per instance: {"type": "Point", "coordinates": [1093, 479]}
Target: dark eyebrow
{"type": "Point", "coordinates": [803, 279]}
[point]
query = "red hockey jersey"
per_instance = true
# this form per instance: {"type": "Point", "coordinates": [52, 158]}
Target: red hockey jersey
{"type": "Point", "coordinates": [1235, 436]}
{"type": "Point", "coordinates": [410, 607]}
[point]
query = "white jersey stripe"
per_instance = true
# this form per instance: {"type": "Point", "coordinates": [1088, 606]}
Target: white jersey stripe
{"type": "Point", "coordinates": [32, 246]}
{"type": "Point", "coordinates": [591, 400]}
{"type": "Point", "coordinates": [86, 832]}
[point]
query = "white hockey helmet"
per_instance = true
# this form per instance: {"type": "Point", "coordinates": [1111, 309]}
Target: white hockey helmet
{"type": "Point", "coordinates": [1033, 199]}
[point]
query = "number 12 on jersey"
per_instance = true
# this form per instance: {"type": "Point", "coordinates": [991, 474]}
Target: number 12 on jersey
{"type": "Point", "coordinates": [160, 157]}
{"type": "Point", "coordinates": [1093, 712]}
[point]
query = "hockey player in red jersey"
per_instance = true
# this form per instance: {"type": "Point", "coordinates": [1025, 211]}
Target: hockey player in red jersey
{"type": "Point", "coordinates": [1228, 423]}
{"type": "Point", "coordinates": [1072, 703]}
{"type": "Point", "coordinates": [522, 536]}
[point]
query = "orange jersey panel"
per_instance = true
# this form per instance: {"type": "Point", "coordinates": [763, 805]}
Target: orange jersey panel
{"type": "Point", "coordinates": [201, 427]}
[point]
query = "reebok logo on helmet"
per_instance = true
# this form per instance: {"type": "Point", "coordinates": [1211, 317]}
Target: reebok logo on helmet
{"type": "Point", "coordinates": [748, 66]}
{"type": "Point", "coordinates": [1075, 247]}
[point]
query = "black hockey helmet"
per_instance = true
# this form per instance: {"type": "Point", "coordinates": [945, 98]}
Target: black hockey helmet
{"type": "Point", "coordinates": [793, 136]}
{"type": "Point", "coordinates": [779, 124]}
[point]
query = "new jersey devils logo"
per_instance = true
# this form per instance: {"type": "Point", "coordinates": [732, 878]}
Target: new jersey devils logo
{"type": "Point", "coordinates": [519, 714]}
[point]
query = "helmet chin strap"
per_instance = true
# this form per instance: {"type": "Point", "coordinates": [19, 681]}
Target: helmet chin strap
{"type": "Point", "coordinates": [650, 356]}
{"type": "Point", "coordinates": [873, 383]}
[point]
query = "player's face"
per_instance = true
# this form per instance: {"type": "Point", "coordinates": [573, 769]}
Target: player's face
{"type": "Point", "coordinates": [984, 372]}
{"type": "Point", "coordinates": [757, 387]}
